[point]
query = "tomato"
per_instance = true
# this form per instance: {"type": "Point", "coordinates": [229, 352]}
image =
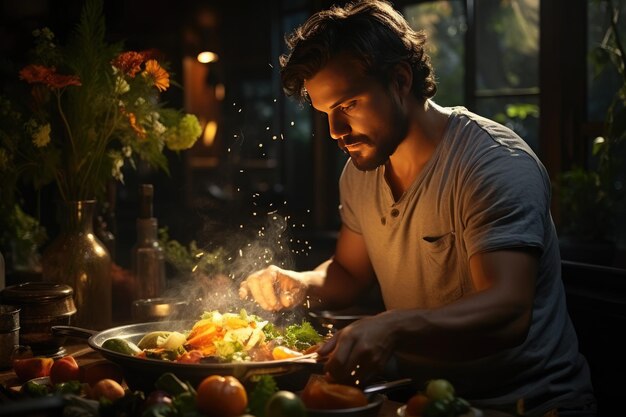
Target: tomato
{"type": "Point", "coordinates": [285, 404]}
{"type": "Point", "coordinates": [29, 368]}
{"type": "Point", "coordinates": [319, 394]}
{"type": "Point", "coordinates": [439, 389]}
{"type": "Point", "coordinates": [416, 405]}
{"type": "Point", "coordinates": [64, 370]}
{"type": "Point", "coordinates": [221, 396]}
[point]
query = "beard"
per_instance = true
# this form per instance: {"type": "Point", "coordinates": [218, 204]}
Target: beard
{"type": "Point", "coordinates": [372, 153]}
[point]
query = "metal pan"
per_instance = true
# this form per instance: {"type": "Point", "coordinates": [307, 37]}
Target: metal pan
{"type": "Point", "coordinates": [140, 373]}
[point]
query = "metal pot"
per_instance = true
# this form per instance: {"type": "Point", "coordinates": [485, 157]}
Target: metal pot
{"type": "Point", "coordinates": [43, 305]}
{"type": "Point", "coordinates": [140, 373]}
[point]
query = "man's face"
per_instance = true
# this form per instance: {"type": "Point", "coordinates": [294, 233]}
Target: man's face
{"type": "Point", "coordinates": [365, 117]}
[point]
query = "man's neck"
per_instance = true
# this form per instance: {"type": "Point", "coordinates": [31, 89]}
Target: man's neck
{"type": "Point", "coordinates": [426, 130]}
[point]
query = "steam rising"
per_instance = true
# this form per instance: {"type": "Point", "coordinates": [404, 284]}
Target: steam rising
{"type": "Point", "coordinates": [243, 250]}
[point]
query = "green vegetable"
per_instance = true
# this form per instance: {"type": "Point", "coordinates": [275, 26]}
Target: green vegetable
{"type": "Point", "coordinates": [285, 404]}
{"type": "Point", "coordinates": [264, 387]}
{"type": "Point", "coordinates": [185, 404]}
{"type": "Point", "coordinates": [170, 383]}
{"type": "Point", "coordinates": [33, 389]}
{"type": "Point", "coordinates": [301, 336]}
{"type": "Point", "coordinates": [119, 345]}
{"type": "Point", "coordinates": [69, 387]}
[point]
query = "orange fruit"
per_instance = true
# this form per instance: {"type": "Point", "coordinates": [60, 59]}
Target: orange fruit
{"type": "Point", "coordinates": [107, 388]}
{"type": "Point", "coordinates": [416, 405]}
{"type": "Point", "coordinates": [221, 396]}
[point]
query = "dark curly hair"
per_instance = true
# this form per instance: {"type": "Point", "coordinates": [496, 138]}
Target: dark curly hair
{"type": "Point", "coordinates": [371, 31]}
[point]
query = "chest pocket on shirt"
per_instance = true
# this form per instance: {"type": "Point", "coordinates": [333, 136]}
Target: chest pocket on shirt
{"type": "Point", "coordinates": [439, 256]}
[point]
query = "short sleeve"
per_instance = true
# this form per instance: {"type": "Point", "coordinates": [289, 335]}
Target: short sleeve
{"type": "Point", "coordinates": [347, 198]}
{"type": "Point", "coordinates": [506, 201]}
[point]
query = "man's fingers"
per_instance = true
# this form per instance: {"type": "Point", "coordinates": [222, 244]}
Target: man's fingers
{"type": "Point", "coordinates": [244, 291]}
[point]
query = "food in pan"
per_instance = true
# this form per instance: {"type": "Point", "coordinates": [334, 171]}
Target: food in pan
{"type": "Point", "coordinates": [223, 337]}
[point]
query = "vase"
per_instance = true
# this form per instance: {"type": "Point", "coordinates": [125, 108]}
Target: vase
{"type": "Point", "coordinates": [76, 257]}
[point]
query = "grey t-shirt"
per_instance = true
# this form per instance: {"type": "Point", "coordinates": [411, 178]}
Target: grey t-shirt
{"type": "Point", "coordinates": [483, 189]}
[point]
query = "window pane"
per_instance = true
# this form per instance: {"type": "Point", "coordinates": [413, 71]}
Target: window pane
{"type": "Point", "coordinates": [520, 114]}
{"type": "Point", "coordinates": [444, 24]}
{"type": "Point", "coordinates": [603, 79]}
{"type": "Point", "coordinates": [507, 43]}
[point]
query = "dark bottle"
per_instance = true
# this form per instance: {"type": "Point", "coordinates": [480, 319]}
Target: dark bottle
{"type": "Point", "coordinates": [148, 259]}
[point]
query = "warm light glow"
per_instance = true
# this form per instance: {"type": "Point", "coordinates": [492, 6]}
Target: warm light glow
{"type": "Point", "coordinates": [220, 92]}
{"type": "Point", "coordinates": [207, 57]}
{"type": "Point", "coordinates": [209, 133]}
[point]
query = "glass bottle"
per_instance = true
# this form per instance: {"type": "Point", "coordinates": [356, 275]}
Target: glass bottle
{"type": "Point", "coordinates": [148, 259]}
{"type": "Point", "coordinates": [76, 257]}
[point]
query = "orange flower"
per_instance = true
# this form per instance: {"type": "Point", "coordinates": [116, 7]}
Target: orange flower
{"type": "Point", "coordinates": [140, 131]}
{"type": "Point", "coordinates": [159, 76]}
{"type": "Point", "coordinates": [47, 75]}
{"type": "Point", "coordinates": [129, 62]}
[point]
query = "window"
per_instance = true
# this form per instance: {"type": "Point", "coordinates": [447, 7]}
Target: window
{"type": "Point", "coordinates": [497, 43]}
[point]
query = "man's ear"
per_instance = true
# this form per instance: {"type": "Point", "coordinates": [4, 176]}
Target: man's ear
{"type": "Point", "coordinates": [402, 77]}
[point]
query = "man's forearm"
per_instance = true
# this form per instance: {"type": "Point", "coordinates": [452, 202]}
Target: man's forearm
{"type": "Point", "coordinates": [331, 286]}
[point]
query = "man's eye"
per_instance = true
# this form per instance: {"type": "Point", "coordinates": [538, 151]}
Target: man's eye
{"type": "Point", "coordinates": [348, 106]}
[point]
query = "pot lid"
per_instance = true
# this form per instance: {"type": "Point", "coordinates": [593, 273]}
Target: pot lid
{"type": "Point", "coordinates": [35, 292]}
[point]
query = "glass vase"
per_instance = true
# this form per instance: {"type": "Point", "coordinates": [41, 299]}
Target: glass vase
{"type": "Point", "coordinates": [77, 258]}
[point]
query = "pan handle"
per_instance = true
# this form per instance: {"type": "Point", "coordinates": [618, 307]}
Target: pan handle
{"type": "Point", "coordinates": [71, 331]}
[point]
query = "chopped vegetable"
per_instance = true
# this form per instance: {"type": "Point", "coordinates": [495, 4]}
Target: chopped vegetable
{"type": "Point", "coordinates": [222, 337]}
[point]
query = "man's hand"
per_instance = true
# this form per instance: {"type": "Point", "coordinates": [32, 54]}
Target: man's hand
{"type": "Point", "coordinates": [274, 288]}
{"type": "Point", "coordinates": [361, 350]}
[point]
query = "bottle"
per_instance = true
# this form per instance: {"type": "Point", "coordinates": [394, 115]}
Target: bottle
{"type": "Point", "coordinates": [148, 259]}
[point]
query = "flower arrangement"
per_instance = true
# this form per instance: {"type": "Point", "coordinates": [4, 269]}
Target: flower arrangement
{"type": "Point", "coordinates": [93, 108]}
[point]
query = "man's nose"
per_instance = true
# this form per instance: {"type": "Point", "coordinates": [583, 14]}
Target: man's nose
{"type": "Point", "coordinates": [338, 126]}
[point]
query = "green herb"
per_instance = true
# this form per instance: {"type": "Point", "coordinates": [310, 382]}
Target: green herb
{"type": "Point", "coordinates": [191, 259]}
{"type": "Point", "coordinates": [301, 336]}
{"type": "Point", "coordinates": [264, 387]}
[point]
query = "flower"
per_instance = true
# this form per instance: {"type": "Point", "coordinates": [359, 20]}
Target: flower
{"type": "Point", "coordinates": [93, 109]}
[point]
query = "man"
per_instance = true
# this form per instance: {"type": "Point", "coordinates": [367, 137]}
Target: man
{"type": "Point", "coordinates": [448, 211]}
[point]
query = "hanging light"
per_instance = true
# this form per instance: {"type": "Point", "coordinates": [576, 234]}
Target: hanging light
{"type": "Point", "coordinates": [207, 57]}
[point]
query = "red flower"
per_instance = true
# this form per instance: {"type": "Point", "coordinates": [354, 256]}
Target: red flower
{"type": "Point", "coordinates": [129, 62]}
{"type": "Point", "coordinates": [33, 74]}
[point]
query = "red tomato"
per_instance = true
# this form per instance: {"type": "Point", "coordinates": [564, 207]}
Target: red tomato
{"type": "Point", "coordinates": [64, 370]}
{"type": "Point", "coordinates": [221, 396]}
